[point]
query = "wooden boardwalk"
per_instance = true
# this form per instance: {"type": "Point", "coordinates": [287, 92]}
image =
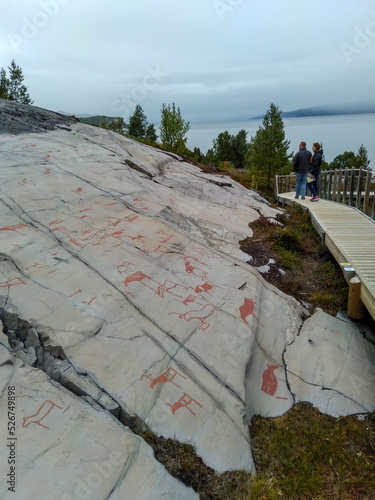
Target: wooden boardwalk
{"type": "Point", "coordinates": [349, 235]}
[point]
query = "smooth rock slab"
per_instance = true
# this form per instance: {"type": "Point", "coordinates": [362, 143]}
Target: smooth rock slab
{"type": "Point", "coordinates": [332, 366]}
{"type": "Point", "coordinates": [126, 262]}
{"type": "Point", "coordinates": [66, 450]}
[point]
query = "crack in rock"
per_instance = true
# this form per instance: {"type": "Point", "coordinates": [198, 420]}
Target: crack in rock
{"type": "Point", "coordinates": [30, 346]}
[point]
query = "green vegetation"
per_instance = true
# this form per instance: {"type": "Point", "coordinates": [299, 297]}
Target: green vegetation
{"type": "Point", "coordinates": [138, 126]}
{"type": "Point", "coordinates": [228, 148]}
{"type": "Point", "coordinates": [350, 160]}
{"type": "Point", "coordinates": [309, 273]}
{"type": "Point", "coordinates": [173, 129]}
{"type": "Point", "coordinates": [268, 151]}
{"type": "Point", "coordinates": [310, 455]}
{"type": "Point", "coordinates": [302, 455]}
{"type": "Point", "coordinates": [11, 87]}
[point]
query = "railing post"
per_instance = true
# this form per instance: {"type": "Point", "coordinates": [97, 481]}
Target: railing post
{"type": "Point", "coordinates": [322, 184]}
{"type": "Point", "coordinates": [329, 197]}
{"type": "Point", "coordinates": [339, 180]}
{"type": "Point", "coordinates": [276, 191]}
{"type": "Point", "coordinates": [359, 189]}
{"type": "Point", "coordinates": [366, 201]}
{"type": "Point", "coordinates": [351, 189]}
{"type": "Point", "coordinates": [345, 189]}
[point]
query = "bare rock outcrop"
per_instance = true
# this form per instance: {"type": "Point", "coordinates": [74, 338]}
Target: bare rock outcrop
{"type": "Point", "coordinates": [127, 304]}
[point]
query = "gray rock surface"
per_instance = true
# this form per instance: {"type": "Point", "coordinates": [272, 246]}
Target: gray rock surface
{"type": "Point", "coordinates": [123, 285]}
{"type": "Point", "coordinates": [18, 118]}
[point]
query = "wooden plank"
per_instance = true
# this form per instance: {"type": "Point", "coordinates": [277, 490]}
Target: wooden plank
{"type": "Point", "coordinates": [349, 236]}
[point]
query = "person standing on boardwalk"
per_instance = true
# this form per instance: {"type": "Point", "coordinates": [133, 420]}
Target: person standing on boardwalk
{"type": "Point", "coordinates": [301, 165]}
{"type": "Point", "coordinates": [315, 162]}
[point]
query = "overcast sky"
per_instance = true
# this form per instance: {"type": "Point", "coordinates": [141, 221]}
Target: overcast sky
{"type": "Point", "coordinates": [218, 60]}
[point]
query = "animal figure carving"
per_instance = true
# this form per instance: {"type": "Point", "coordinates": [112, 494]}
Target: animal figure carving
{"type": "Point", "coordinates": [269, 385]}
{"type": "Point", "coordinates": [43, 411]}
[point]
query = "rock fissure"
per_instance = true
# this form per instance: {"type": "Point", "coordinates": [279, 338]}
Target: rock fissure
{"type": "Point", "coordinates": [151, 314]}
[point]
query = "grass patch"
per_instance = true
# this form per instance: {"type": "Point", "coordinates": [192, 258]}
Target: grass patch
{"type": "Point", "coordinates": [311, 455]}
{"type": "Point", "coordinates": [302, 268]}
{"type": "Point", "coordinates": [302, 455]}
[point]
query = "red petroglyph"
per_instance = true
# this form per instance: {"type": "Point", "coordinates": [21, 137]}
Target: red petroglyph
{"type": "Point", "coordinates": [78, 190]}
{"type": "Point", "coordinates": [36, 265]}
{"type": "Point", "coordinates": [205, 252]}
{"type": "Point", "coordinates": [125, 265]}
{"type": "Point", "coordinates": [45, 157]}
{"type": "Point", "coordinates": [12, 282]}
{"type": "Point", "coordinates": [269, 384]}
{"type": "Point", "coordinates": [194, 314]}
{"type": "Point", "coordinates": [43, 411]}
{"type": "Point", "coordinates": [91, 301]}
{"type": "Point", "coordinates": [165, 235]}
{"type": "Point", "coordinates": [118, 234]}
{"type": "Point", "coordinates": [247, 309]}
{"type": "Point", "coordinates": [47, 171]}
{"type": "Point", "coordinates": [206, 287]}
{"type": "Point", "coordinates": [139, 202]}
{"type": "Point", "coordinates": [23, 182]}
{"type": "Point", "coordinates": [167, 376]}
{"type": "Point", "coordinates": [158, 288]}
{"type": "Point", "coordinates": [184, 402]}
{"type": "Point", "coordinates": [131, 219]}
{"type": "Point", "coordinates": [189, 298]}
{"type": "Point", "coordinates": [61, 228]}
{"type": "Point", "coordinates": [196, 271]}
{"type": "Point", "coordinates": [161, 249]}
{"type": "Point", "coordinates": [14, 227]}
{"type": "Point", "coordinates": [57, 221]}
{"type": "Point", "coordinates": [75, 293]}
{"type": "Point", "coordinates": [116, 223]}
{"type": "Point", "coordinates": [75, 242]}
{"type": "Point", "coordinates": [138, 276]}
{"type": "Point", "coordinates": [166, 239]}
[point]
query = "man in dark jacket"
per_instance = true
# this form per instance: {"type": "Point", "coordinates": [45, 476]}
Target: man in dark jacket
{"type": "Point", "coordinates": [301, 165]}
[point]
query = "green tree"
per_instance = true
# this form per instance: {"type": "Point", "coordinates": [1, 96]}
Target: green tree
{"type": "Point", "coordinates": [362, 159]}
{"type": "Point", "coordinates": [233, 148]}
{"type": "Point", "coordinates": [240, 148]}
{"type": "Point", "coordinates": [4, 84]}
{"type": "Point", "coordinates": [117, 125]}
{"type": "Point", "coordinates": [138, 123]}
{"type": "Point", "coordinates": [268, 151]}
{"type": "Point", "coordinates": [222, 146]}
{"type": "Point", "coordinates": [173, 129]}
{"type": "Point", "coordinates": [151, 134]}
{"type": "Point", "coordinates": [344, 160]}
{"type": "Point", "coordinates": [104, 123]}
{"type": "Point", "coordinates": [11, 87]}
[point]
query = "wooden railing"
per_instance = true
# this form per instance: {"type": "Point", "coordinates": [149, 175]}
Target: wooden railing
{"type": "Point", "coordinates": [350, 186]}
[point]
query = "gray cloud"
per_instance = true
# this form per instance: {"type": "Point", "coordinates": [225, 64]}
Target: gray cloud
{"type": "Point", "coordinates": [216, 59]}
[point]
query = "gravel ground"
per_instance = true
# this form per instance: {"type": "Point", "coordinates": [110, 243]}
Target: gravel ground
{"type": "Point", "coordinates": [18, 118]}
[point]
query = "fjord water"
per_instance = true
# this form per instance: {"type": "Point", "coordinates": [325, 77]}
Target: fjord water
{"type": "Point", "coordinates": [337, 133]}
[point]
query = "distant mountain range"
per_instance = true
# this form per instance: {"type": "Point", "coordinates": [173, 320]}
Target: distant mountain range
{"type": "Point", "coordinates": [325, 110]}
{"type": "Point", "coordinates": [92, 120]}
